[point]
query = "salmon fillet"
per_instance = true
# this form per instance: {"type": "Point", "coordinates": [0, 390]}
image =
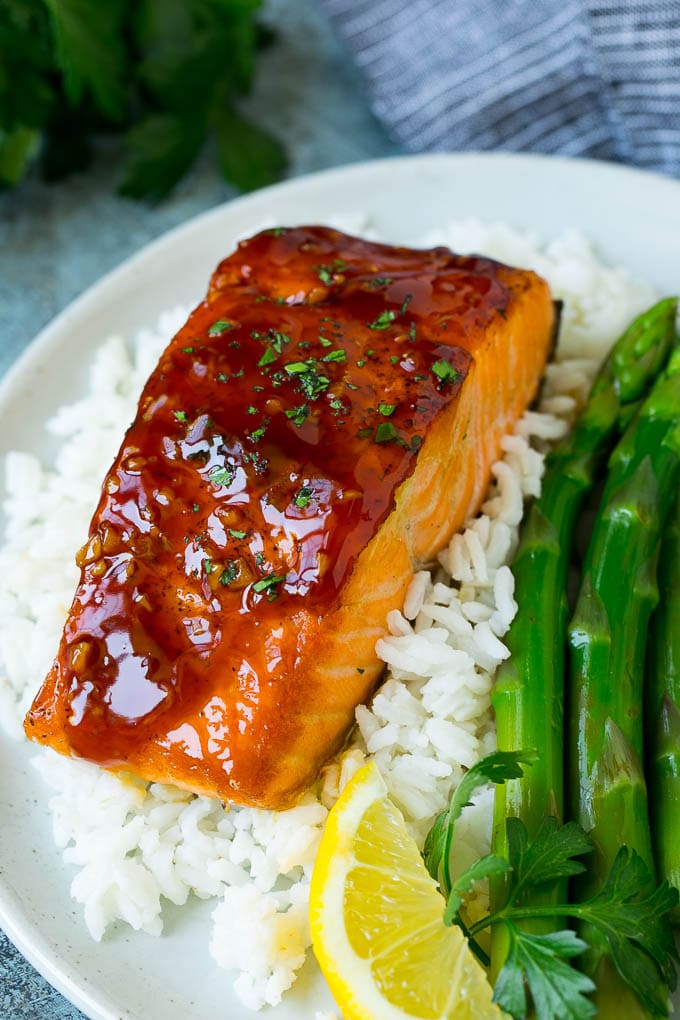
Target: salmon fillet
{"type": "Point", "coordinates": [315, 433]}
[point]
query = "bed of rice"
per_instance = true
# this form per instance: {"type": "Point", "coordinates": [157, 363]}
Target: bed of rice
{"type": "Point", "coordinates": [130, 846]}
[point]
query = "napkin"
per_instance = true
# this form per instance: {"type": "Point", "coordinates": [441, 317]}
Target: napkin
{"type": "Point", "coordinates": [575, 77]}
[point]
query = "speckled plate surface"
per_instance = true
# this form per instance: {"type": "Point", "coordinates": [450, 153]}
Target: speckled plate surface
{"type": "Point", "coordinates": [634, 219]}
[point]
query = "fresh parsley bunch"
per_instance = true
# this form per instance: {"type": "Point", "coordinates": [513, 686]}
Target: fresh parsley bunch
{"type": "Point", "coordinates": [632, 921]}
{"type": "Point", "coordinates": [168, 73]}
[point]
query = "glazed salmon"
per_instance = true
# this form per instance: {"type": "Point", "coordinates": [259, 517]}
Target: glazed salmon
{"type": "Point", "coordinates": [318, 429]}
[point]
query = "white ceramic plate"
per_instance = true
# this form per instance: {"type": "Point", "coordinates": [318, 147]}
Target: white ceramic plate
{"type": "Point", "coordinates": [633, 217]}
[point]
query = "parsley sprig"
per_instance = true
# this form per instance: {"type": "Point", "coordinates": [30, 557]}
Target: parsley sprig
{"type": "Point", "coordinates": [77, 69]}
{"type": "Point", "coordinates": [632, 921]}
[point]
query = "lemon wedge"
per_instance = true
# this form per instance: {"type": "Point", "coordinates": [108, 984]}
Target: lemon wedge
{"type": "Point", "coordinates": [376, 919]}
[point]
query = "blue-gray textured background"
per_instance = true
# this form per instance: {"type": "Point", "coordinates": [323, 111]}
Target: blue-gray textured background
{"type": "Point", "coordinates": [57, 240]}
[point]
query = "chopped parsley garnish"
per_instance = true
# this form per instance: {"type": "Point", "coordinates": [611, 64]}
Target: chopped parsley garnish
{"type": "Point", "coordinates": [338, 355]}
{"type": "Point", "coordinates": [277, 340]}
{"type": "Point", "coordinates": [259, 558]}
{"type": "Point", "coordinates": [276, 231]}
{"type": "Point", "coordinates": [416, 443]}
{"type": "Point", "coordinates": [379, 281]}
{"type": "Point", "coordinates": [364, 433]}
{"type": "Point", "coordinates": [196, 507]}
{"type": "Point", "coordinates": [268, 584]}
{"type": "Point", "coordinates": [384, 320]}
{"type": "Point", "coordinates": [180, 415]}
{"type": "Point", "coordinates": [394, 358]}
{"type": "Point", "coordinates": [360, 670]}
{"type": "Point", "coordinates": [324, 341]}
{"type": "Point", "coordinates": [208, 566]}
{"type": "Point", "coordinates": [221, 377]}
{"type": "Point", "coordinates": [229, 573]}
{"type": "Point", "coordinates": [385, 432]}
{"type": "Point", "coordinates": [386, 409]}
{"type": "Point", "coordinates": [222, 475]}
{"type": "Point", "coordinates": [412, 333]}
{"type": "Point", "coordinates": [406, 302]}
{"type": "Point", "coordinates": [267, 358]}
{"type": "Point", "coordinates": [188, 350]}
{"type": "Point", "coordinates": [326, 273]}
{"type": "Point", "coordinates": [303, 496]}
{"type": "Point", "coordinates": [256, 435]}
{"type": "Point", "coordinates": [311, 383]}
{"type": "Point", "coordinates": [252, 409]}
{"type": "Point", "coordinates": [298, 415]}
{"type": "Point", "coordinates": [219, 327]}
{"type": "Point", "coordinates": [237, 534]}
{"type": "Point", "coordinates": [445, 372]}
{"type": "Point", "coordinates": [361, 362]}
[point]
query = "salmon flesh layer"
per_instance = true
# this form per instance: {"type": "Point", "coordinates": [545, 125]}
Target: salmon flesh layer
{"type": "Point", "coordinates": [315, 433]}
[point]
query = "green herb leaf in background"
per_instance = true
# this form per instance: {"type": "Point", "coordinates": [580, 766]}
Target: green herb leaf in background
{"type": "Point", "coordinates": [167, 73]}
{"type": "Point", "coordinates": [91, 51]}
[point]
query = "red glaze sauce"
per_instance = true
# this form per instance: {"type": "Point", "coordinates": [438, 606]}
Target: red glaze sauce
{"type": "Point", "coordinates": [267, 449]}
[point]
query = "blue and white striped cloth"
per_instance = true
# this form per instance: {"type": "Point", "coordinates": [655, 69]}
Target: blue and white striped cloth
{"type": "Point", "coordinates": [577, 77]}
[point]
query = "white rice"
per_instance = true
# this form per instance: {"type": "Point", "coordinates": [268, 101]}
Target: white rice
{"type": "Point", "coordinates": [132, 846]}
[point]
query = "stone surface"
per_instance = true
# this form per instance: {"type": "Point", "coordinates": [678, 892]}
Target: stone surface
{"type": "Point", "coordinates": [57, 240]}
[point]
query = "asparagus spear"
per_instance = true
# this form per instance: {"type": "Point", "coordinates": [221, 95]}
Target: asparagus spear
{"type": "Point", "coordinates": [663, 706]}
{"type": "Point", "coordinates": [607, 636]}
{"type": "Point", "coordinates": [528, 695]}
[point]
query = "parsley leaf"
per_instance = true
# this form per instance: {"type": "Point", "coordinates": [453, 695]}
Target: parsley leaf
{"type": "Point", "coordinates": [298, 415]}
{"type": "Point", "coordinates": [494, 768]}
{"type": "Point", "coordinates": [229, 574]}
{"type": "Point", "coordinates": [91, 51]}
{"type": "Point", "coordinates": [249, 156]}
{"type": "Point", "coordinates": [556, 988]}
{"type": "Point", "coordinates": [161, 149]}
{"type": "Point", "coordinates": [220, 326]}
{"type": "Point", "coordinates": [636, 929]}
{"type": "Point", "coordinates": [549, 856]}
{"type": "Point", "coordinates": [624, 919]}
{"type": "Point", "coordinates": [222, 475]}
{"type": "Point", "coordinates": [267, 358]}
{"type": "Point", "coordinates": [303, 497]}
{"type": "Point", "coordinates": [483, 868]}
{"type": "Point", "coordinates": [385, 432]}
{"type": "Point", "coordinates": [72, 69]}
{"type": "Point", "coordinates": [384, 320]}
{"type": "Point", "coordinates": [445, 372]}
{"type": "Point", "coordinates": [267, 584]}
